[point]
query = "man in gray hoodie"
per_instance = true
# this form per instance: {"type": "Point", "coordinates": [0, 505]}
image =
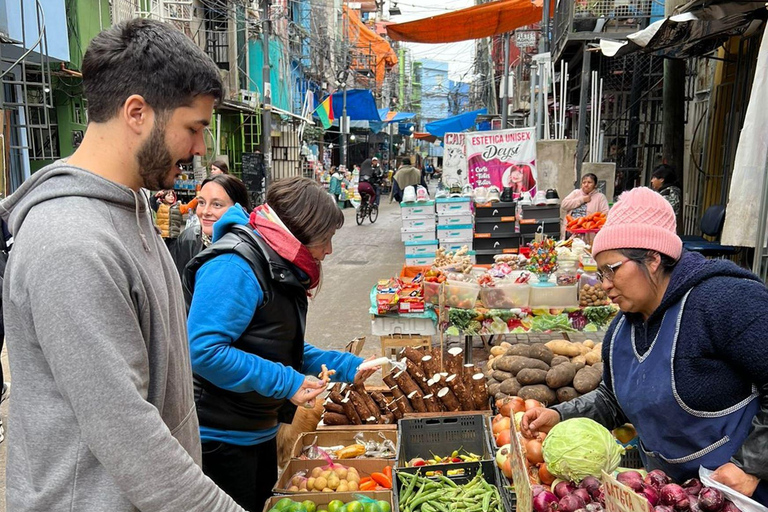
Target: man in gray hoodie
{"type": "Point", "coordinates": [103, 415]}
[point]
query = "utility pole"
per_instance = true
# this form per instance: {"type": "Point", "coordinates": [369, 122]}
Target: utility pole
{"type": "Point", "coordinates": [505, 98]}
{"type": "Point", "coordinates": [343, 124]}
{"type": "Point", "coordinates": [266, 108]}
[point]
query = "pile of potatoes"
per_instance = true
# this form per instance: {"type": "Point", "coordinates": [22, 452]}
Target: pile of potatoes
{"type": "Point", "coordinates": [552, 372]}
{"type": "Point", "coordinates": [338, 479]}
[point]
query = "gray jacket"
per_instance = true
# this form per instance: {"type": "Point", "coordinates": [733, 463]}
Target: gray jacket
{"type": "Point", "coordinates": [102, 415]}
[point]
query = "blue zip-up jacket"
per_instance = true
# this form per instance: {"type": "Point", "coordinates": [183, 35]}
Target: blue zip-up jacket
{"type": "Point", "coordinates": [226, 296]}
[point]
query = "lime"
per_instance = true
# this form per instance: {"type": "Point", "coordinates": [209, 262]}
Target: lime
{"type": "Point", "coordinates": [355, 506]}
{"type": "Point", "coordinates": [309, 505]}
{"type": "Point", "coordinates": [371, 506]}
{"type": "Point", "coordinates": [384, 506]}
{"type": "Point", "coordinates": [335, 505]}
{"type": "Point", "coordinates": [296, 507]}
{"type": "Point", "coordinates": [283, 504]}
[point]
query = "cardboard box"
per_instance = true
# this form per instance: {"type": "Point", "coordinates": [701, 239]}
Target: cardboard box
{"type": "Point", "coordinates": [336, 438]}
{"type": "Point", "coordinates": [411, 305]}
{"type": "Point", "coordinates": [620, 498]}
{"type": "Point", "coordinates": [522, 483]}
{"type": "Point", "coordinates": [364, 467]}
{"type": "Point", "coordinates": [324, 498]}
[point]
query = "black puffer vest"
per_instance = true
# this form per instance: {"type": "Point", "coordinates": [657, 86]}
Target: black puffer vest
{"type": "Point", "coordinates": [276, 333]}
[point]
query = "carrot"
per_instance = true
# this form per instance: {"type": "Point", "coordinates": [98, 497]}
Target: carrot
{"type": "Point", "coordinates": [579, 221]}
{"type": "Point", "coordinates": [568, 219]}
{"type": "Point", "coordinates": [367, 486]}
{"type": "Point", "coordinates": [366, 480]}
{"type": "Point", "coordinates": [382, 479]}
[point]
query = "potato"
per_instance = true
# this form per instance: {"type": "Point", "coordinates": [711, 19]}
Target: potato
{"type": "Point", "coordinates": [561, 375]}
{"type": "Point", "coordinates": [528, 376]}
{"type": "Point", "coordinates": [498, 351]}
{"type": "Point", "coordinates": [539, 392]}
{"type": "Point", "coordinates": [501, 376]}
{"type": "Point", "coordinates": [519, 350]}
{"type": "Point", "coordinates": [563, 348]}
{"type": "Point", "coordinates": [500, 396]}
{"type": "Point", "coordinates": [510, 386]}
{"type": "Point", "coordinates": [598, 347]}
{"type": "Point", "coordinates": [316, 472]}
{"type": "Point", "coordinates": [584, 349]}
{"type": "Point", "coordinates": [514, 364]}
{"type": "Point", "coordinates": [593, 357]}
{"type": "Point", "coordinates": [559, 360]}
{"type": "Point", "coordinates": [320, 483]}
{"type": "Point", "coordinates": [598, 367]}
{"type": "Point", "coordinates": [343, 486]}
{"type": "Point", "coordinates": [566, 393]}
{"type": "Point", "coordinates": [589, 343]}
{"type": "Point", "coordinates": [505, 345]}
{"type": "Point", "coordinates": [587, 379]}
{"type": "Point", "coordinates": [310, 483]}
{"type": "Point", "coordinates": [494, 388]}
{"type": "Point", "coordinates": [541, 352]}
{"type": "Point", "coordinates": [579, 361]}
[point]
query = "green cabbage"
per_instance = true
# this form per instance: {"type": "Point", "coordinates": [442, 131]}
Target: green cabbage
{"type": "Point", "coordinates": [577, 448]}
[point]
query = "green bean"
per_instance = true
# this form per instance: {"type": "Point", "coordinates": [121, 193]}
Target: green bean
{"type": "Point", "coordinates": [406, 495]}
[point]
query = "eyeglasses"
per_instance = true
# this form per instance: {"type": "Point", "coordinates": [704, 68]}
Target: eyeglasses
{"type": "Point", "coordinates": [609, 271]}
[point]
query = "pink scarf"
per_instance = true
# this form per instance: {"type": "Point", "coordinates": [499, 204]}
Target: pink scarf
{"type": "Point", "coordinates": [277, 236]}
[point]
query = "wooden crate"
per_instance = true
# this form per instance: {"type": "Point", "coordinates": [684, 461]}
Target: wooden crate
{"type": "Point", "coordinates": [364, 467]}
{"type": "Point", "coordinates": [391, 344]}
{"type": "Point", "coordinates": [337, 437]}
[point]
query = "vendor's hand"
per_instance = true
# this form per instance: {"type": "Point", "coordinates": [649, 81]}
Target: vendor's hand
{"type": "Point", "coordinates": [729, 474]}
{"type": "Point", "coordinates": [538, 420]}
{"type": "Point", "coordinates": [308, 391]}
{"type": "Point", "coordinates": [363, 375]}
{"type": "Point", "coordinates": [586, 199]}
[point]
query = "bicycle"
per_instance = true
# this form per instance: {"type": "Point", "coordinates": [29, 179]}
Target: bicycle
{"type": "Point", "coordinates": [366, 209]}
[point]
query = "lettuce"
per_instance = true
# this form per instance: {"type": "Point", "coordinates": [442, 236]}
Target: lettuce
{"type": "Point", "coordinates": [577, 448]}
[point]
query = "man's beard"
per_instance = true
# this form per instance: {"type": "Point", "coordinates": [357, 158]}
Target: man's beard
{"type": "Point", "coordinates": [155, 160]}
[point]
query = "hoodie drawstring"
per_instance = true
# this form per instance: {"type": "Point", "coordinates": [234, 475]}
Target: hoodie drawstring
{"type": "Point", "coordinates": [138, 223]}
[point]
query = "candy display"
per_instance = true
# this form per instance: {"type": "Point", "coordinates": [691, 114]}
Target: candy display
{"type": "Point", "coordinates": [543, 261]}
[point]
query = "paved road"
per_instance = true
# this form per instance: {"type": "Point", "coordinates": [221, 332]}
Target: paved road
{"type": "Point", "coordinates": [339, 312]}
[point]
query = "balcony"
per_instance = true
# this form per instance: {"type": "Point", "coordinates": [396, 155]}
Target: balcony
{"type": "Point", "coordinates": [588, 20]}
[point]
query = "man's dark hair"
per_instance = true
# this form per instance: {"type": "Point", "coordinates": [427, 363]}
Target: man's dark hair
{"type": "Point", "coordinates": [407, 161]}
{"type": "Point", "coordinates": [665, 172]}
{"type": "Point", "coordinates": [148, 58]}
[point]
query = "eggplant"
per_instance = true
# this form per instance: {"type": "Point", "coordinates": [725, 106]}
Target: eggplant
{"type": "Point", "coordinates": [657, 479]}
{"type": "Point", "coordinates": [570, 503]}
{"type": "Point", "coordinates": [692, 486]}
{"type": "Point", "coordinates": [674, 496]}
{"type": "Point", "coordinates": [711, 500]}
{"type": "Point", "coordinates": [545, 501]}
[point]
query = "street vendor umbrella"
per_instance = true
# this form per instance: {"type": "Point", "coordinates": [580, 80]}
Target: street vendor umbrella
{"type": "Point", "coordinates": [471, 23]}
{"type": "Point", "coordinates": [454, 124]}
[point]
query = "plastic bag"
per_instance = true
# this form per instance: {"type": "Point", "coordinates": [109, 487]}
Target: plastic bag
{"type": "Point", "coordinates": [744, 503]}
{"type": "Point", "coordinates": [192, 221]}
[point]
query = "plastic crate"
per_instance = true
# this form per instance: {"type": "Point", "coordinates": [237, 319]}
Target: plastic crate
{"type": "Point", "coordinates": [419, 437]}
{"type": "Point", "coordinates": [631, 459]}
{"type": "Point", "coordinates": [491, 473]}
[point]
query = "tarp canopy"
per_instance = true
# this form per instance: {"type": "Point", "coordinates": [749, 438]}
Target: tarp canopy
{"type": "Point", "coordinates": [425, 136]}
{"type": "Point", "coordinates": [453, 124]}
{"type": "Point", "coordinates": [366, 40]}
{"type": "Point", "coordinates": [361, 106]}
{"type": "Point", "coordinates": [697, 29]}
{"type": "Point", "coordinates": [471, 23]}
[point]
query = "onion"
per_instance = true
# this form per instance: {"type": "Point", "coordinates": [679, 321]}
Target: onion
{"type": "Point", "coordinates": [663, 508]}
{"type": "Point", "coordinates": [537, 489]}
{"type": "Point", "coordinates": [729, 506]}
{"type": "Point", "coordinates": [570, 503]}
{"type": "Point", "coordinates": [545, 502]}
{"type": "Point", "coordinates": [545, 476]}
{"type": "Point", "coordinates": [694, 503]}
{"type": "Point", "coordinates": [583, 494]}
{"type": "Point", "coordinates": [599, 496]}
{"type": "Point", "coordinates": [532, 404]}
{"type": "Point", "coordinates": [563, 488]}
{"type": "Point", "coordinates": [631, 479]}
{"type": "Point", "coordinates": [692, 486]}
{"type": "Point", "coordinates": [650, 494]}
{"type": "Point", "coordinates": [533, 451]}
{"type": "Point", "coordinates": [591, 484]}
{"type": "Point", "coordinates": [594, 507]}
{"type": "Point", "coordinates": [657, 479]}
{"type": "Point", "coordinates": [674, 496]}
{"type": "Point", "coordinates": [711, 500]}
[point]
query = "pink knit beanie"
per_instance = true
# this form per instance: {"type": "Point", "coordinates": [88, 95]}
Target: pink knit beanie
{"type": "Point", "coordinates": [641, 219]}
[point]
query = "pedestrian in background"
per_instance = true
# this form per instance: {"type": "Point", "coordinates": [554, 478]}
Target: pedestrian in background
{"type": "Point", "coordinates": [103, 416]}
{"type": "Point", "coordinates": [219, 167]}
{"type": "Point", "coordinates": [664, 181]}
{"type": "Point", "coordinates": [169, 214]}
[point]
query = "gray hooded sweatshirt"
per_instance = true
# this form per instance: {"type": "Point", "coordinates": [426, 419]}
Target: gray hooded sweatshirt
{"type": "Point", "coordinates": [102, 416]}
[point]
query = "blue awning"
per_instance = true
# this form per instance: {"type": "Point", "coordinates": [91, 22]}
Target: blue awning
{"type": "Point", "coordinates": [454, 124]}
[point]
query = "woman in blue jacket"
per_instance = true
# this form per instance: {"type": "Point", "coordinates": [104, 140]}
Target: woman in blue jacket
{"type": "Point", "coordinates": [248, 306]}
{"type": "Point", "coordinates": [685, 359]}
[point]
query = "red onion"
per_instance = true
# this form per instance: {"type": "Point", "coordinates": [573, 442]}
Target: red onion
{"type": "Point", "coordinates": [657, 479]}
{"type": "Point", "coordinates": [729, 506]}
{"type": "Point", "coordinates": [537, 489]}
{"type": "Point", "coordinates": [674, 496]}
{"type": "Point", "coordinates": [570, 503]}
{"type": "Point", "coordinates": [545, 502]}
{"type": "Point", "coordinates": [694, 503]}
{"type": "Point", "coordinates": [599, 496]}
{"type": "Point", "coordinates": [594, 507]}
{"type": "Point", "coordinates": [663, 508]}
{"type": "Point", "coordinates": [650, 494]}
{"type": "Point", "coordinates": [591, 484]}
{"type": "Point", "coordinates": [583, 494]}
{"type": "Point", "coordinates": [711, 500]}
{"type": "Point", "coordinates": [631, 479]}
{"type": "Point", "coordinates": [563, 489]}
{"type": "Point", "coordinates": [692, 486]}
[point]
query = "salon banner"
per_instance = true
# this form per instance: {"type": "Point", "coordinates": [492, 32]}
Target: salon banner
{"type": "Point", "coordinates": [504, 158]}
{"type": "Point", "coordinates": [454, 159]}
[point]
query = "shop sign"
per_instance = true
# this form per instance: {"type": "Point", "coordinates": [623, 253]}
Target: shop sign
{"type": "Point", "coordinates": [620, 498]}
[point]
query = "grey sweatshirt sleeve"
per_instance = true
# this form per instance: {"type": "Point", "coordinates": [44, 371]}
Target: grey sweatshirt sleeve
{"type": "Point", "coordinates": [85, 320]}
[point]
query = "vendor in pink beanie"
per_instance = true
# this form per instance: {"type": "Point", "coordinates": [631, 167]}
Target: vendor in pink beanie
{"type": "Point", "coordinates": [641, 219]}
{"type": "Point", "coordinates": [684, 359]}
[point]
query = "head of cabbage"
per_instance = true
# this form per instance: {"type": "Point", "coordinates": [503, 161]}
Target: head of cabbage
{"type": "Point", "coordinates": [577, 448]}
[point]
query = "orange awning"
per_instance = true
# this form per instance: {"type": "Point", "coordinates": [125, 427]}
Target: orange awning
{"type": "Point", "coordinates": [367, 41]}
{"type": "Point", "coordinates": [424, 136]}
{"type": "Point", "coordinates": [471, 23]}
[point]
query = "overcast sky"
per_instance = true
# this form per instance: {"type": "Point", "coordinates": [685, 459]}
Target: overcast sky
{"type": "Point", "coordinates": [459, 56]}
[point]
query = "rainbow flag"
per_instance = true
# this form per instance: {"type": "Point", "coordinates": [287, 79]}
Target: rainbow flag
{"type": "Point", "coordinates": [325, 112]}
